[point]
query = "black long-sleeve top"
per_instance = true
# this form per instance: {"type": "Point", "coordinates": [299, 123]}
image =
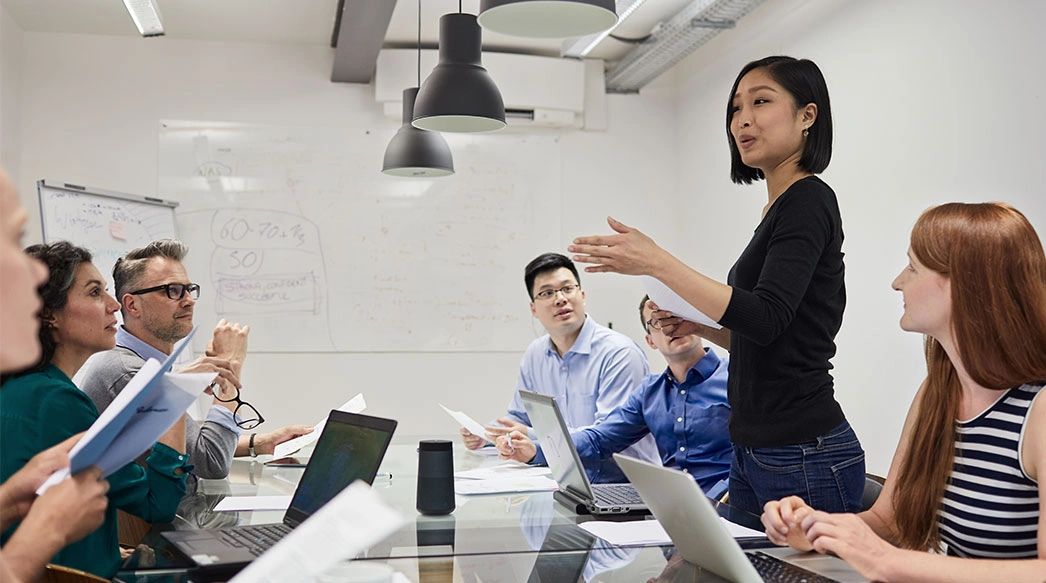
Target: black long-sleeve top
{"type": "Point", "coordinates": [785, 310]}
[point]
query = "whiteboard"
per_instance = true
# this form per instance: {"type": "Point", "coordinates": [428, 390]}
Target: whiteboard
{"type": "Point", "coordinates": [296, 232]}
{"type": "Point", "coordinates": [108, 224]}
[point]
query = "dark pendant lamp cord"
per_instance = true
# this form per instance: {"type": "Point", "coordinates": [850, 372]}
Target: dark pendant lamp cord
{"type": "Point", "coordinates": [459, 6]}
{"type": "Point", "coordinates": [419, 43]}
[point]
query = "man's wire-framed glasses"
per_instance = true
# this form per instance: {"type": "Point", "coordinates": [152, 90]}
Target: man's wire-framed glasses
{"type": "Point", "coordinates": [245, 415]}
{"type": "Point", "coordinates": [568, 291]}
{"type": "Point", "coordinates": [175, 291]}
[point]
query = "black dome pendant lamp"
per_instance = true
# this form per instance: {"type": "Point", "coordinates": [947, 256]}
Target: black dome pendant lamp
{"type": "Point", "coordinates": [414, 152]}
{"type": "Point", "coordinates": [459, 95]}
{"type": "Point", "coordinates": [547, 18]}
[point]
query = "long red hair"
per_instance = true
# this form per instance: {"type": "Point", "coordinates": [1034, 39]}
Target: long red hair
{"type": "Point", "coordinates": [994, 260]}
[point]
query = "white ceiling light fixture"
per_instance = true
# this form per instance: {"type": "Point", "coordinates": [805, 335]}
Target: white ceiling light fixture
{"type": "Point", "coordinates": [579, 48]}
{"type": "Point", "coordinates": [693, 26]}
{"type": "Point", "coordinates": [547, 18]}
{"type": "Point", "coordinates": [146, 16]}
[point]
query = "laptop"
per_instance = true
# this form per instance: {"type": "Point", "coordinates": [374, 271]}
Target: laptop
{"type": "Point", "coordinates": [575, 490]}
{"type": "Point", "coordinates": [693, 525]}
{"type": "Point", "coordinates": [351, 447]}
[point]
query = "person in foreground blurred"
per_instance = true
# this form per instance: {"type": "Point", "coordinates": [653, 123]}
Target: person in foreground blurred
{"type": "Point", "coordinates": [75, 507]}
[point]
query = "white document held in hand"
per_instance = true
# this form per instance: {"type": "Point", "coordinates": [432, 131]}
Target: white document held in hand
{"type": "Point", "coordinates": [475, 427]}
{"type": "Point", "coordinates": [355, 520]}
{"type": "Point", "coordinates": [670, 301]}
{"type": "Point", "coordinates": [354, 405]}
{"type": "Point", "coordinates": [144, 410]}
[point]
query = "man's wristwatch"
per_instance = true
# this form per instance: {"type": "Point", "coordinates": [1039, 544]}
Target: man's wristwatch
{"type": "Point", "coordinates": [250, 446]}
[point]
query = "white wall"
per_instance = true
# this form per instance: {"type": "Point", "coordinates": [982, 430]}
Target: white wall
{"type": "Point", "coordinates": [90, 111]}
{"type": "Point", "coordinates": [933, 101]}
{"type": "Point", "coordinates": [11, 37]}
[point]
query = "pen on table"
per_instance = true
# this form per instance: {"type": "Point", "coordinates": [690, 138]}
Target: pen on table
{"type": "Point", "coordinates": [382, 476]}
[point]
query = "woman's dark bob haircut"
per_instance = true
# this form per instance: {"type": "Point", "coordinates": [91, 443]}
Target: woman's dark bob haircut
{"type": "Point", "coordinates": [802, 79]}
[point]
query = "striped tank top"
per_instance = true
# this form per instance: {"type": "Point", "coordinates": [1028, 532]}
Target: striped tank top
{"type": "Point", "coordinates": [991, 506]}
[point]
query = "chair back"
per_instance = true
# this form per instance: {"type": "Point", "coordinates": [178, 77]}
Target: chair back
{"type": "Point", "coordinates": [873, 486]}
{"type": "Point", "coordinates": [60, 574]}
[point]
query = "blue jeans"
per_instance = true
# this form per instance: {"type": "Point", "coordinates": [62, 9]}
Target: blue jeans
{"type": "Point", "coordinates": [827, 473]}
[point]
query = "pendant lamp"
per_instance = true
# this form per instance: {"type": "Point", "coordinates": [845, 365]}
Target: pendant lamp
{"type": "Point", "coordinates": [413, 152]}
{"type": "Point", "coordinates": [459, 95]}
{"type": "Point", "coordinates": [547, 18]}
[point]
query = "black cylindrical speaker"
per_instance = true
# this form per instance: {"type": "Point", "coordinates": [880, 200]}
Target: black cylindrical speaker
{"type": "Point", "coordinates": [435, 476]}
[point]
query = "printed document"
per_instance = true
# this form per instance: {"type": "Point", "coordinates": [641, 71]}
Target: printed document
{"type": "Point", "coordinates": [468, 423]}
{"type": "Point", "coordinates": [648, 532]}
{"type": "Point", "coordinates": [354, 405]}
{"type": "Point", "coordinates": [670, 301]}
{"type": "Point", "coordinates": [145, 409]}
{"type": "Point", "coordinates": [355, 520]}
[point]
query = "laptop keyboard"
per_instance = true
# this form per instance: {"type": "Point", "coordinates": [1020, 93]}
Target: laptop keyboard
{"type": "Point", "coordinates": [617, 494]}
{"type": "Point", "coordinates": [772, 569]}
{"type": "Point", "coordinates": [257, 539]}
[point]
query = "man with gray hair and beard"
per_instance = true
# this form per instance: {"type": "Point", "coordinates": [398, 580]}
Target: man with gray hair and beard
{"type": "Point", "coordinates": [157, 300]}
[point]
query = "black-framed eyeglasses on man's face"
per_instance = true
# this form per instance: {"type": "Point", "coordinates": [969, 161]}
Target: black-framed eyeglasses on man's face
{"type": "Point", "coordinates": [654, 324]}
{"type": "Point", "coordinates": [568, 291]}
{"type": "Point", "coordinates": [175, 291]}
{"type": "Point", "coordinates": [245, 415]}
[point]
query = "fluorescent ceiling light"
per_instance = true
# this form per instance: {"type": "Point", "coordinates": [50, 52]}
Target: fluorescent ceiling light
{"type": "Point", "coordinates": [580, 47]}
{"type": "Point", "coordinates": [691, 27]}
{"type": "Point", "coordinates": [146, 16]}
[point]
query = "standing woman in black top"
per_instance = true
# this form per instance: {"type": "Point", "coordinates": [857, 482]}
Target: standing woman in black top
{"type": "Point", "coordinates": [783, 301]}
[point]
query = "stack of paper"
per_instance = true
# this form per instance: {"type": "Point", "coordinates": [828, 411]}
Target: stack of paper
{"type": "Point", "coordinates": [354, 405]}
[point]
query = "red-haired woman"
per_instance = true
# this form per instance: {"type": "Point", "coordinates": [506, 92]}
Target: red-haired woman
{"type": "Point", "coordinates": [965, 478]}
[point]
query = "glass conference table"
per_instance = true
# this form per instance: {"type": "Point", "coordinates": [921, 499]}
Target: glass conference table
{"type": "Point", "coordinates": [514, 537]}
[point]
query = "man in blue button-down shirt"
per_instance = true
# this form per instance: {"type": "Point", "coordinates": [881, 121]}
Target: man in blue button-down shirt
{"type": "Point", "coordinates": [590, 369]}
{"type": "Point", "coordinates": [689, 418]}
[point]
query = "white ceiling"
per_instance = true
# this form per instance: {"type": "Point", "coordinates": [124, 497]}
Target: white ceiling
{"type": "Point", "coordinates": [297, 21]}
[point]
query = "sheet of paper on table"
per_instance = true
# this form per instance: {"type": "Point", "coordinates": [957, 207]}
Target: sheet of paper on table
{"type": "Point", "coordinates": [510, 469]}
{"type": "Point", "coordinates": [640, 532]}
{"type": "Point", "coordinates": [238, 503]}
{"type": "Point", "coordinates": [506, 485]}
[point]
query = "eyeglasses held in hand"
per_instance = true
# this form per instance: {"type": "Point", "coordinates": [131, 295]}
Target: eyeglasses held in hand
{"type": "Point", "coordinates": [175, 291]}
{"type": "Point", "coordinates": [245, 415]}
{"type": "Point", "coordinates": [568, 291]}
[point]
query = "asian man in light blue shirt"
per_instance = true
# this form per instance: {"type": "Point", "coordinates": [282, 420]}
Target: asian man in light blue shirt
{"type": "Point", "coordinates": [684, 408]}
{"type": "Point", "coordinates": [590, 369]}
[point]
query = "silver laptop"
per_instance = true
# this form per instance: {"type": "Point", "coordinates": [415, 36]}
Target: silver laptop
{"type": "Point", "coordinates": [693, 525]}
{"type": "Point", "coordinates": [575, 490]}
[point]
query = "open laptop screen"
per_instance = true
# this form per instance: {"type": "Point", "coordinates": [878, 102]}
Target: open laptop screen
{"type": "Point", "coordinates": [350, 448]}
{"type": "Point", "coordinates": [555, 442]}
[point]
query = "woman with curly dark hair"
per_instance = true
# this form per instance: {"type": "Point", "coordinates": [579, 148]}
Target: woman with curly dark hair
{"type": "Point", "coordinates": [41, 407]}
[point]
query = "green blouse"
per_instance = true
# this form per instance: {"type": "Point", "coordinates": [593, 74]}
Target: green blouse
{"type": "Point", "coordinates": [42, 409]}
